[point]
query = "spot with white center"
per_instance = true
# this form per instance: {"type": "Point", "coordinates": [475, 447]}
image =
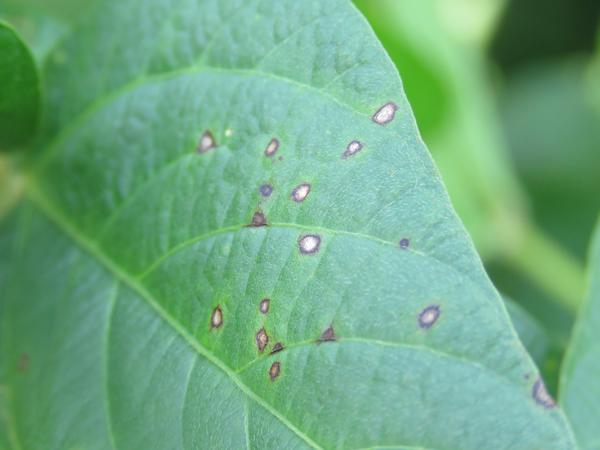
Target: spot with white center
{"type": "Point", "coordinates": [309, 244]}
{"type": "Point", "coordinates": [264, 305]}
{"type": "Point", "coordinates": [272, 147]}
{"type": "Point", "coordinates": [300, 192]}
{"type": "Point", "coordinates": [428, 316]}
{"type": "Point", "coordinates": [541, 395]}
{"type": "Point", "coordinates": [216, 318]}
{"type": "Point", "coordinates": [352, 148]}
{"type": "Point", "coordinates": [385, 114]}
{"type": "Point", "coordinates": [207, 142]}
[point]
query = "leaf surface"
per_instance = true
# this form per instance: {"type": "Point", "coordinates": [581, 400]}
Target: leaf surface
{"type": "Point", "coordinates": [19, 90]}
{"type": "Point", "coordinates": [579, 388]}
{"type": "Point", "coordinates": [221, 247]}
{"type": "Point", "coordinates": [531, 333]}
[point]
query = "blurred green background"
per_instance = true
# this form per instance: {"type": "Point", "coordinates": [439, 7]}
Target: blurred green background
{"type": "Point", "coordinates": [507, 98]}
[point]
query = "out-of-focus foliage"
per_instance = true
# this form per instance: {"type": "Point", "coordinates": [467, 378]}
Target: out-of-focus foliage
{"type": "Point", "coordinates": [580, 382]}
{"type": "Point", "coordinates": [42, 23]}
{"type": "Point", "coordinates": [552, 118]}
{"type": "Point", "coordinates": [19, 90]}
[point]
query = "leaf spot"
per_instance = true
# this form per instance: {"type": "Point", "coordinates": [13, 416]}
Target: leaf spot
{"type": "Point", "coordinates": [300, 192]}
{"type": "Point", "coordinates": [266, 190]}
{"type": "Point", "coordinates": [264, 305]}
{"type": "Point", "coordinates": [277, 348]}
{"type": "Point", "coordinates": [428, 316]}
{"type": "Point", "coordinates": [274, 370]}
{"type": "Point", "coordinates": [258, 219]}
{"type": "Point", "coordinates": [541, 395]}
{"type": "Point", "coordinates": [328, 335]}
{"type": "Point", "coordinates": [385, 114]}
{"type": "Point", "coordinates": [404, 243]}
{"type": "Point", "coordinates": [352, 148]}
{"type": "Point", "coordinates": [207, 142]}
{"type": "Point", "coordinates": [262, 339]}
{"type": "Point", "coordinates": [272, 147]}
{"type": "Point", "coordinates": [216, 318]}
{"type": "Point", "coordinates": [309, 244]}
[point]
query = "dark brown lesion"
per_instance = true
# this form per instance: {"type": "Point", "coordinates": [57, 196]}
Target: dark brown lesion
{"type": "Point", "coordinates": [328, 335]}
{"type": "Point", "coordinates": [258, 219]}
{"type": "Point", "coordinates": [262, 339]}
{"type": "Point", "coordinates": [277, 348]}
{"type": "Point", "coordinates": [275, 370]}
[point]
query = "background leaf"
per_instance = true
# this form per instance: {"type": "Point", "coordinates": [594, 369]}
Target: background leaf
{"type": "Point", "coordinates": [156, 226]}
{"type": "Point", "coordinates": [579, 389]}
{"type": "Point", "coordinates": [19, 90]}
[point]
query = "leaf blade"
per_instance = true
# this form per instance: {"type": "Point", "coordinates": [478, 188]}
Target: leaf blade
{"type": "Point", "coordinates": [134, 154]}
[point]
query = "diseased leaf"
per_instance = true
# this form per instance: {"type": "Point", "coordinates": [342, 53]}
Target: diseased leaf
{"type": "Point", "coordinates": [19, 90]}
{"type": "Point", "coordinates": [579, 388]}
{"type": "Point", "coordinates": [235, 238]}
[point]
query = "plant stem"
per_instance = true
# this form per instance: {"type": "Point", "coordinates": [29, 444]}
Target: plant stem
{"type": "Point", "coordinates": [548, 265]}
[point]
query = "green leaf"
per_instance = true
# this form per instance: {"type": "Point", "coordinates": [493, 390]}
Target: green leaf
{"type": "Point", "coordinates": [19, 90]}
{"type": "Point", "coordinates": [205, 156]}
{"type": "Point", "coordinates": [579, 388]}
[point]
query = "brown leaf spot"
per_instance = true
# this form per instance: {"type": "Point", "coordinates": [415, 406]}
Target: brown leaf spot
{"type": "Point", "coordinates": [272, 147]}
{"type": "Point", "coordinates": [277, 348]}
{"type": "Point", "coordinates": [328, 335]}
{"type": "Point", "coordinates": [207, 142]}
{"type": "Point", "coordinates": [428, 316]}
{"type": "Point", "coordinates": [300, 192]}
{"type": "Point", "coordinates": [404, 243]}
{"type": "Point", "coordinates": [258, 219]}
{"type": "Point", "coordinates": [541, 395]}
{"type": "Point", "coordinates": [309, 244]}
{"type": "Point", "coordinates": [352, 148]}
{"type": "Point", "coordinates": [385, 114]}
{"type": "Point", "coordinates": [216, 318]}
{"type": "Point", "coordinates": [275, 370]}
{"type": "Point", "coordinates": [264, 305]}
{"type": "Point", "coordinates": [262, 340]}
